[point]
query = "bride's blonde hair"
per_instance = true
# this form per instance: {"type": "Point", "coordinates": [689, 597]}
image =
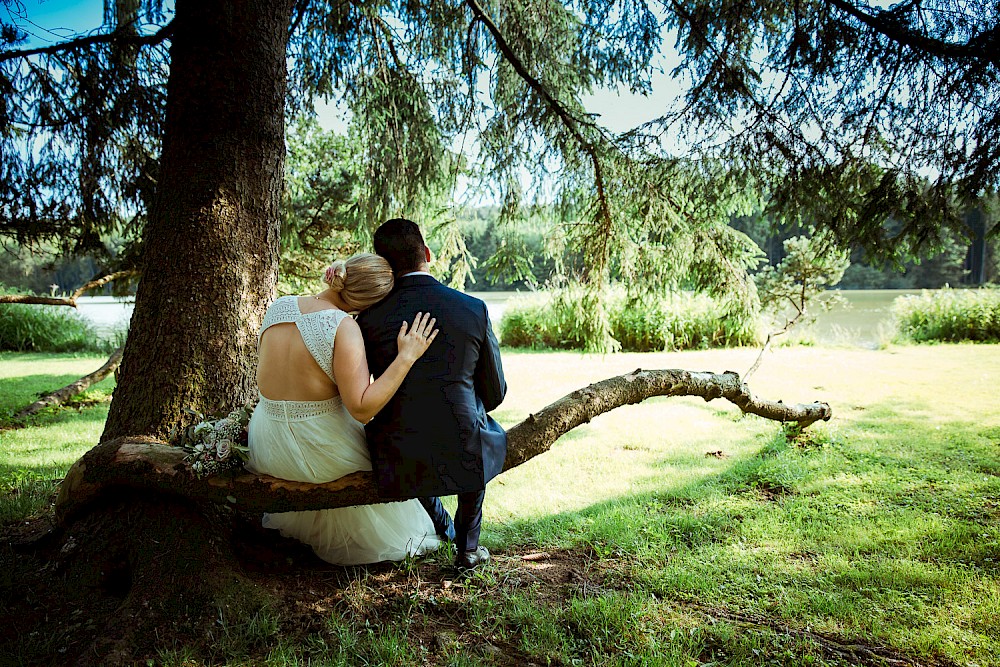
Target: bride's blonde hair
{"type": "Point", "coordinates": [362, 280]}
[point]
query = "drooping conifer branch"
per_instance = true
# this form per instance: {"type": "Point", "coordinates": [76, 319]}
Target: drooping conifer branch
{"type": "Point", "coordinates": [571, 123]}
{"type": "Point", "coordinates": [985, 46]}
{"type": "Point", "coordinates": [151, 465]}
{"type": "Point", "coordinates": [122, 35]}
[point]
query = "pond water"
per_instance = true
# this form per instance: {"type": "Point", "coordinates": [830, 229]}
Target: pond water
{"type": "Point", "coordinates": [108, 314]}
{"type": "Point", "coordinates": [861, 320]}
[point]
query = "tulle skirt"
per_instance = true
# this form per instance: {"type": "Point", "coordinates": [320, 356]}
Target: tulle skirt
{"type": "Point", "coordinates": [319, 441]}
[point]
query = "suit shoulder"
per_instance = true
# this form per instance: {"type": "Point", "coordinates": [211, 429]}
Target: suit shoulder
{"type": "Point", "coordinates": [364, 318]}
{"type": "Point", "coordinates": [467, 302]}
{"type": "Point", "coordinates": [461, 297]}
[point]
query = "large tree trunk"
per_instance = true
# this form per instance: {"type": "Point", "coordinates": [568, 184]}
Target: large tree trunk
{"type": "Point", "coordinates": [211, 244]}
{"type": "Point", "coordinates": [144, 563]}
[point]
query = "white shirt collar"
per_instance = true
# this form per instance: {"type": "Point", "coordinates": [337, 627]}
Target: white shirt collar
{"type": "Point", "coordinates": [416, 273]}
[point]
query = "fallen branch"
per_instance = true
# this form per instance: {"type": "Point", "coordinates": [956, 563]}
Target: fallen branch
{"type": "Point", "coordinates": [151, 465]}
{"type": "Point", "coordinates": [540, 430]}
{"type": "Point", "coordinates": [60, 396]}
{"type": "Point", "coordinates": [66, 300]}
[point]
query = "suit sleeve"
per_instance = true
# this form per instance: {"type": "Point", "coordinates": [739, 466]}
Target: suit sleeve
{"type": "Point", "coordinates": [366, 334]}
{"type": "Point", "coordinates": [490, 384]}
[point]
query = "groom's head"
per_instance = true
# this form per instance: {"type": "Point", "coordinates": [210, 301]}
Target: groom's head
{"type": "Point", "coordinates": [399, 240]}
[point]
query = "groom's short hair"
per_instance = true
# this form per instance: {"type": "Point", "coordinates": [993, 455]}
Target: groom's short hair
{"type": "Point", "coordinates": [399, 240]}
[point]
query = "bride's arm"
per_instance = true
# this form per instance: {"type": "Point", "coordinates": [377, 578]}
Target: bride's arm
{"type": "Point", "coordinates": [363, 398]}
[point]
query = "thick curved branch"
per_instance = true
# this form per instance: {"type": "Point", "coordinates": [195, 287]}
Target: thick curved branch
{"type": "Point", "coordinates": [124, 35]}
{"type": "Point", "coordinates": [982, 47]}
{"type": "Point", "coordinates": [66, 300]}
{"type": "Point", "coordinates": [153, 466]}
{"type": "Point", "coordinates": [60, 396]}
{"type": "Point", "coordinates": [540, 430]}
{"type": "Point", "coordinates": [101, 282]}
{"type": "Point", "coordinates": [38, 300]}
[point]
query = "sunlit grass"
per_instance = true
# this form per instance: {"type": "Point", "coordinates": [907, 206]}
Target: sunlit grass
{"type": "Point", "coordinates": [26, 376]}
{"type": "Point", "coordinates": [882, 525]}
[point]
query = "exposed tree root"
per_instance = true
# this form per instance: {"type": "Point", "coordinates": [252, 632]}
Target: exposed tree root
{"type": "Point", "coordinates": [60, 396]}
{"type": "Point", "coordinates": [146, 464]}
{"type": "Point", "coordinates": [855, 653]}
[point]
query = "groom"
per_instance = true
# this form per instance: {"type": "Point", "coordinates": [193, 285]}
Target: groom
{"type": "Point", "coordinates": [434, 437]}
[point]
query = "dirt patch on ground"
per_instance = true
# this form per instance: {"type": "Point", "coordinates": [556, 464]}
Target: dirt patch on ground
{"type": "Point", "coordinates": [429, 593]}
{"type": "Point", "coordinates": [53, 615]}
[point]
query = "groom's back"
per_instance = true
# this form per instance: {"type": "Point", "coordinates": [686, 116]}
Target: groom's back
{"type": "Point", "coordinates": [434, 436]}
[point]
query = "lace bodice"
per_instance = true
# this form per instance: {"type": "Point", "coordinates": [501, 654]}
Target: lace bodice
{"type": "Point", "coordinates": [318, 329]}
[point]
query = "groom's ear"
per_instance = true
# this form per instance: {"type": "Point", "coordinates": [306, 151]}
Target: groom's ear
{"type": "Point", "coordinates": [427, 254]}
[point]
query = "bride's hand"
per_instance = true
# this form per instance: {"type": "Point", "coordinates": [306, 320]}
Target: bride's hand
{"type": "Point", "coordinates": [413, 343]}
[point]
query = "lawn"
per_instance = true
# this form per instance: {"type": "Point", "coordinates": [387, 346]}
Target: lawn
{"type": "Point", "coordinates": [33, 459]}
{"type": "Point", "coordinates": [675, 532]}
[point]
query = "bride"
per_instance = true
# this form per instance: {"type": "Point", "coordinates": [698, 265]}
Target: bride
{"type": "Point", "coordinates": [315, 394]}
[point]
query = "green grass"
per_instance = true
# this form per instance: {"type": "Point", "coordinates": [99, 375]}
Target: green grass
{"type": "Point", "coordinates": [880, 527]}
{"type": "Point", "coordinates": [34, 459]}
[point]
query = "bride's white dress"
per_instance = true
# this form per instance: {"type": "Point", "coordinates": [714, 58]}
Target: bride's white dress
{"type": "Point", "coordinates": [319, 441]}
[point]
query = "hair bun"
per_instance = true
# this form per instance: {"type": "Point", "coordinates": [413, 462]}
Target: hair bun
{"type": "Point", "coordinates": [335, 275]}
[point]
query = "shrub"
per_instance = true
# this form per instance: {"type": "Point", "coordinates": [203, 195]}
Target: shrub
{"type": "Point", "coordinates": [673, 321]}
{"type": "Point", "coordinates": [33, 328]}
{"type": "Point", "coordinates": [949, 315]}
{"type": "Point", "coordinates": [545, 320]}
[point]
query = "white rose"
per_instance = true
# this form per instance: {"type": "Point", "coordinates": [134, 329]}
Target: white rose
{"type": "Point", "coordinates": [222, 449]}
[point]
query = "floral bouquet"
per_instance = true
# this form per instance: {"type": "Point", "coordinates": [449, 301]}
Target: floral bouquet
{"type": "Point", "coordinates": [215, 444]}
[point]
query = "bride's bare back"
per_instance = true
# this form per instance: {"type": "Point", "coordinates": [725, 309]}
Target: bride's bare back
{"type": "Point", "coordinates": [286, 371]}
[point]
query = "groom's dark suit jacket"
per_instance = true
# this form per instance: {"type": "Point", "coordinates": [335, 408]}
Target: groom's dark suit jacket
{"type": "Point", "coordinates": [434, 437]}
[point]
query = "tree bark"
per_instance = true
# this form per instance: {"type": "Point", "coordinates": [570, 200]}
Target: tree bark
{"type": "Point", "coordinates": [152, 466]}
{"type": "Point", "coordinates": [59, 396]}
{"type": "Point", "coordinates": [211, 244]}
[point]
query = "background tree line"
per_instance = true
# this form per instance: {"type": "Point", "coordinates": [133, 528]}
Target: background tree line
{"type": "Point", "coordinates": [41, 272]}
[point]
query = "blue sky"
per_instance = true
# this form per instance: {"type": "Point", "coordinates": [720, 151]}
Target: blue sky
{"type": "Point", "coordinates": [54, 20]}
